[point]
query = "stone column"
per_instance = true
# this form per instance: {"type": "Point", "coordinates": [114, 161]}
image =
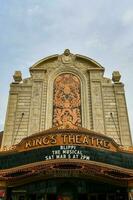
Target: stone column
{"type": "Point", "coordinates": [125, 135]}
{"type": "Point", "coordinates": [10, 118]}
{"type": "Point", "coordinates": [36, 102]}
{"type": "Point", "coordinates": [130, 190]}
{"type": "Point", "coordinates": [130, 194]}
{"type": "Point", "coordinates": [97, 103]}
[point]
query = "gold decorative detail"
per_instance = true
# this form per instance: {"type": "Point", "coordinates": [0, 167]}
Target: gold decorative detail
{"type": "Point", "coordinates": [67, 102]}
{"type": "Point", "coordinates": [67, 52]}
{"type": "Point", "coordinates": [17, 76]}
{"type": "Point", "coordinates": [116, 76]}
{"type": "Point", "coordinates": [67, 57]}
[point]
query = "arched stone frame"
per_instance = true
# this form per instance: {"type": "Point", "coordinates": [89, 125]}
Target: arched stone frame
{"type": "Point", "coordinates": [84, 95]}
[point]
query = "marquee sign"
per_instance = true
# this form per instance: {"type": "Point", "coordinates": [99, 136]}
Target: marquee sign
{"type": "Point", "coordinates": [69, 152]}
{"type": "Point", "coordinates": [67, 139]}
{"type": "Point", "coordinates": [66, 144]}
{"type": "Point", "coordinates": [47, 140]}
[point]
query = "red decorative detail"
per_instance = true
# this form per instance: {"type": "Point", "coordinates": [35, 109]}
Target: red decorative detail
{"type": "Point", "coordinates": [59, 198]}
{"type": "Point", "coordinates": [67, 102]}
{"type": "Point", "coordinates": [2, 193]}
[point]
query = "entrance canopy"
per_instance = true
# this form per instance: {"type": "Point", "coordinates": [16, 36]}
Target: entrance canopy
{"type": "Point", "coordinates": [66, 153]}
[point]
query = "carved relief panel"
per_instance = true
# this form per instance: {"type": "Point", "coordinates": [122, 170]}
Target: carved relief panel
{"type": "Point", "coordinates": [67, 101]}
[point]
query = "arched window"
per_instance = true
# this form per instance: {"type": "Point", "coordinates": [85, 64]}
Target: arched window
{"type": "Point", "coordinates": [67, 101]}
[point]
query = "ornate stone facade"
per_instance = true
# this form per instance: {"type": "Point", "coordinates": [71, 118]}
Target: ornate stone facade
{"type": "Point", "coordinates": [75, 87]}
{"type": "Point", "coordinates": [67, 101]}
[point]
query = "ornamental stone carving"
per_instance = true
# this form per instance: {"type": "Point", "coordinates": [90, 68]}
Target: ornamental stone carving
{"type": "Point", "coordinates": [67, 101]}
{"type": "Point", "coordinates": [67, 57]}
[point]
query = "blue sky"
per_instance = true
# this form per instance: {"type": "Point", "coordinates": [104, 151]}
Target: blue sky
{"type": "Point", "coordinates": [33, 29]}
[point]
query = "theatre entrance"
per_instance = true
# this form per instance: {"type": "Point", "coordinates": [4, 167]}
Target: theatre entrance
{"type": "Point", "coordinates": [68, 189]}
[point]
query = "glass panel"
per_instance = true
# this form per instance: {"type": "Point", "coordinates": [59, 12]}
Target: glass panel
{"type": "Point", "coordinates": [51, 197]}
{"type": "Point", "coordinates": [93, 197]}
{"type": "Point", "coordinates": [102, 196]}
{"type": "Point", "coordinates": [82, 197]}
{"type": "Point", "coordinates": [111, 197]}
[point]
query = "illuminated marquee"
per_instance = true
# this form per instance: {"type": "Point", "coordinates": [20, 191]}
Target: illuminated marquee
{"type": "Point", "coordinates": [68, 152]}
{"type": "Point", "coordinates": [67, 139]}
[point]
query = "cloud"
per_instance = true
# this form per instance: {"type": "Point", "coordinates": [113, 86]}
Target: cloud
{"type": "Point", "coordinates": [35, 10]}
{"type": "Point", "coordinates": [128, 17]}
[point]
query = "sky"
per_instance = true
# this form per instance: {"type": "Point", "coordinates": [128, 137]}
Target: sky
{"type": "Point", "coordinates": [33, 29]}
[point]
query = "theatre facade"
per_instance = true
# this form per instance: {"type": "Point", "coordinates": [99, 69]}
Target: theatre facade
{"type": "Point", "coordinates": [66, 134]}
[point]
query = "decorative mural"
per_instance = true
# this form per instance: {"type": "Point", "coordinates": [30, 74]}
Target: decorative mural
{"type": "Point", "coordinates": [67, 101]}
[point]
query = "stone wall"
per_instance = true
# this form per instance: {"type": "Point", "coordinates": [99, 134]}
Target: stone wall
{"type": "Point", "coordinates": [30, 105]}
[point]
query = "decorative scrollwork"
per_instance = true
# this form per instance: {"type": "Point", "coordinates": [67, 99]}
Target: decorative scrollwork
{"type": "Point", "coordinates": [67, 101]}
